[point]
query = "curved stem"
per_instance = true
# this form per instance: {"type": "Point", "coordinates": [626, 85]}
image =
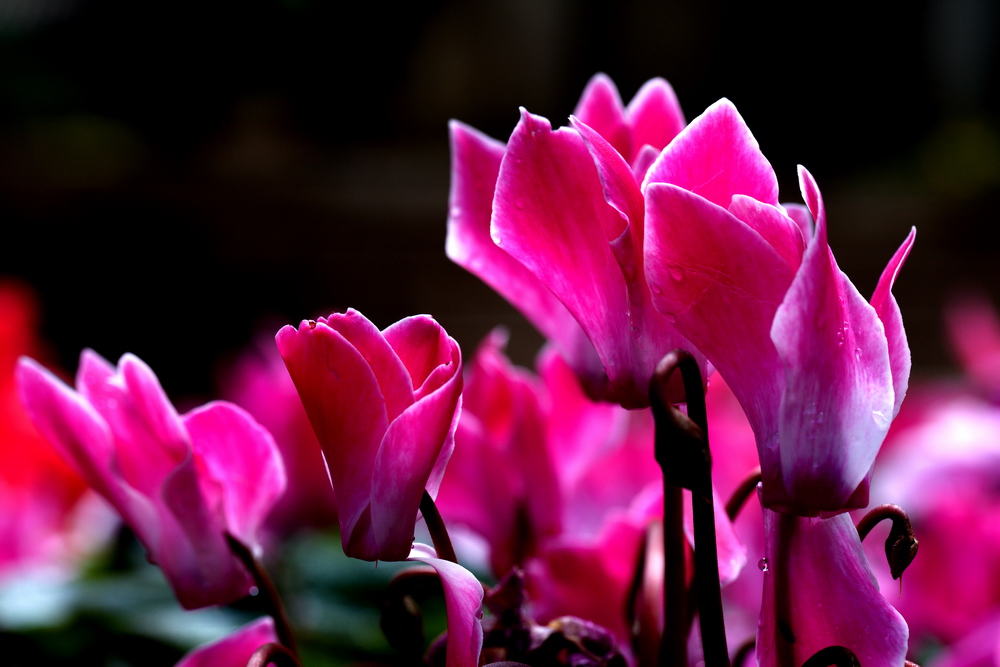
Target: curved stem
{"type": "Point", "coordinates": [267, 594]}
{"type": "Point", "coordinates": [901, 544]}
{"type": "Point", "coordinates": [272, 654]}
{"type": "Point", "coordinates": [742, 494]}
{"type": "Point", "coordinates": [435, 524]}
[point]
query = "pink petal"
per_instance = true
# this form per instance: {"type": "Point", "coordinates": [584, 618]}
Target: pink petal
{"type": "Point", "coordinates": [463, 599]}
{"type": "Point", "coordinates": [67, 420]}
{"type": "Point", "coordinates": [242, 461]}
{"type": "Point", "coordinates": [346, 407]}
{"type": "Point", "coordinates": [601, 108]}
{"type": "Point", "coordinates": [885, 305]}
{"type": "Point", "coordinates": [716, 157]}
{"type": "Point", "coordinates": [148, 435]}
{"type": "Point", "coordinates": [819, 591]}
{"type": "Point", "coordinates": [655, 115]}
{"type": "Point", "coordinates": [393, 378]}
{"type": "Point", "coordinates": [561, 232]}
{"type": "Point", "coordinates": [235, 649]}
{"type": "Point", "coordinates": [475, 166]}
{"type": "Point", "coordinates": [426, 351]}
{"type": "Point", "coordinates": [719, 281]}
{"type": "Point", "coordinates": [416, 447]}
{"type": "Point", "coordinates": [838, 397]}
{"type": "Point", "coordinates": [774, 226]}
{"type": "Point", "coordinates": [800, 214]}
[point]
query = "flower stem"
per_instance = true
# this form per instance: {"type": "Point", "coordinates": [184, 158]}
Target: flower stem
{"type": "Point", "coordinates": [267, 594]}
{"type": "Point", "coordinates": [435, 524]}
{"type": "Point", "coordinates": [681, 449]}
{"type": "Point", "coordinates": [901, 544]}
{"type": "Point", "coordinates": [742, 494]}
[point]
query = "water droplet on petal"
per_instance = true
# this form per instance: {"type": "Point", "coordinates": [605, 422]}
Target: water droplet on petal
{"type": "Point", "coordinates": [518, 204]}
{"type": "Point", "coordinates": [676, 272]}
{"type": "Point", "coordinates": [656, 289]}
{"type": "Point", "coordinates": [857, 353]}
{"type": "Point", "coordinates": [762, 565]}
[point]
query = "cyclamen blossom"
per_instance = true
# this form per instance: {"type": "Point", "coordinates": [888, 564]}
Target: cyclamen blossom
{"type": "Point", "coordinates": [384, 405]}
{"type": "Point", "coordinates": [182, 483]}
{"type": "Point", "coordinates": [819, 370]}
{"type": "Point", "coordinates": [554, 222]}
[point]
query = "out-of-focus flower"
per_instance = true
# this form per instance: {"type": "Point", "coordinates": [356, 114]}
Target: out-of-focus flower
{"type": "Point", "coordinates": [46, 512]}
{"type": "Point", "coordinates": [558, 484]}
{"type": "Point", "coordinates": [554, 222]}
{"type": "Point", "coordinates": [182, 483]}
{"type": "Point", "coordinates": [259, 383]}
{"type": "Point", "coordinates": [384, 406]}
{"type": "Point", "coordinates": [819, 371]}
{"type": "Point", "coordinates": [974, 332]}
{"type": "Point", "coordinates": [980, 648]}
{"type": "Point", "coordinates": [235, 649]}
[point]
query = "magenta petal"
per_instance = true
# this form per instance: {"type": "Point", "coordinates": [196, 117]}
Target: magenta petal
{"type": "Point", "coordinates": [655, 115]}
{"type": "Point", "coordinates": [425, 350]}
{"type": "Point", "coordinates": [716, 157]}
{"type": "Point", "coordinates": [885, 305]}
{"type": "Point", "coordinates": [774, 226]}
{"type": "Point", "coordinates": [819, 591]}
{"type": "Point", "coordinates": [412, 449]}
{"type": "Point", "coordinates": [463, 599]}
{"type": "Point", "coordinates": [719, 281]}
{"type": "Point", "coordinates": [393, 378]}
{"type": "Point", "coordinates": [601, 108]}
{"type": "Point", "coordinates": [561, 232]}
{"type": "Point", "coordinates": [242, 469]}
{"type": "Point", "coordinates": [69, 422]}
{"type": "Point", "coordinates": [838, 397]}
{"type": "Point", "coordinates": [475, 166]}
{"type": "Point", "coordinates": [344, 403]}
{"type": "Point", "coordinates": [235, 649]}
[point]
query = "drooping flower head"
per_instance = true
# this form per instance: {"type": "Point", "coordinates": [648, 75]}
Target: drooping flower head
{"type": "Point", "coordinates": [384, 405]}
{"type": "Point", "coordinates": [554, 222]}
{"type": "Point", "coordinates": [183, 483]}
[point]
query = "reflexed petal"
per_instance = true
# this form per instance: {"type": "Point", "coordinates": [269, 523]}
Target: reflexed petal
{"type": "Point", "coordinates": [475, 165]}
{"type": "Point", "coordinates": [463, 599]}
{"type": "Point", "coordinates": [561, 232]}
{"type": "Point", "coordinates": [655, 115]}
{"type": "Point", "coordinates": [235, 649]}
{"type": "Point", "coordinates": [601, 108]}
{"type": "Point", "coordinates": [819, 591]}
{"type": "Point", "coordinates": [885, 305]}
{"type": "Point", "coordinates": [723, 283]}
{"type": "Point", "coordinates": [716, 157]}
{"type": "Point", "coordinates": [838, 397]}
{"type": "Point", "coordinates": [238, 457]}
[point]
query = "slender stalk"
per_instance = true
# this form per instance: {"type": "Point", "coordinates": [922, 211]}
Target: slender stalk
{"type": "Point", "coordinates": [272, 654]}
{"type": "Point", "coordinates": [267, 594]}
{"type": "Point", "coordinates": [435, 524]}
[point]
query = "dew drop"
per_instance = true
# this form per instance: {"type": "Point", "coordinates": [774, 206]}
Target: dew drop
{"type": "Point", "coordinates": [762, 565]}
{"type": "Point", "coordinates": [676, 272]}
{"type": "Point", "coordinates": [656, 289]}
{"type": "Point", "coordinates": [254, 591]}
{"type": "Point", "coordinates": [518, 204]}
{"type": "Point", "coordinates": [857, 353]}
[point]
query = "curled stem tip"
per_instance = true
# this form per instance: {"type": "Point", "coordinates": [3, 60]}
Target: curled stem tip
{"type": "Point", "coordinates": [901, 544]}
{"type": "Point", "coordinates": [837, 656]}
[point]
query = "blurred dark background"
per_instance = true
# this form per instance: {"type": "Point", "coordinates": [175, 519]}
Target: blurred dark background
{"type": "Point", "coordinates": [176, 176]}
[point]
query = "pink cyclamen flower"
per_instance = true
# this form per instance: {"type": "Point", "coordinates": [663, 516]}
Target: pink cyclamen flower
{"type": "Point", "coordinates": [554, 222]}
{"type": "Point", "coordinates": [819, 371]}
{"type": "Point", "coordinates": [384, 405]}
{"type": "Point", "coordinates": [182, 483]}
{"type": "Point", "coordinates": [235, 649]}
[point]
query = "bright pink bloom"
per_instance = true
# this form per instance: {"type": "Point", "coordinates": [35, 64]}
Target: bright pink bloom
{"type": "Point", "coordinates": [974, 331]}
{"type": "Point", "coordinates": [554, 222]}
{"type": "Point", "coordinates": [384, 406]}
{"type": "Point", "coordinates": [819, 371]}
{"type": "Point", "coordinates": [182, 483]}
{"type": "Point", "coordinates": [43, 502]}
{"type": "Point", "coordinates": [260, 384]}
{"type": "Point", "coordinates": [235, 649]}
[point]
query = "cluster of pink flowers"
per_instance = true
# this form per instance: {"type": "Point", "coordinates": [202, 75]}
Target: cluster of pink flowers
{"type": "Point", "coordinates": [623, 236]}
